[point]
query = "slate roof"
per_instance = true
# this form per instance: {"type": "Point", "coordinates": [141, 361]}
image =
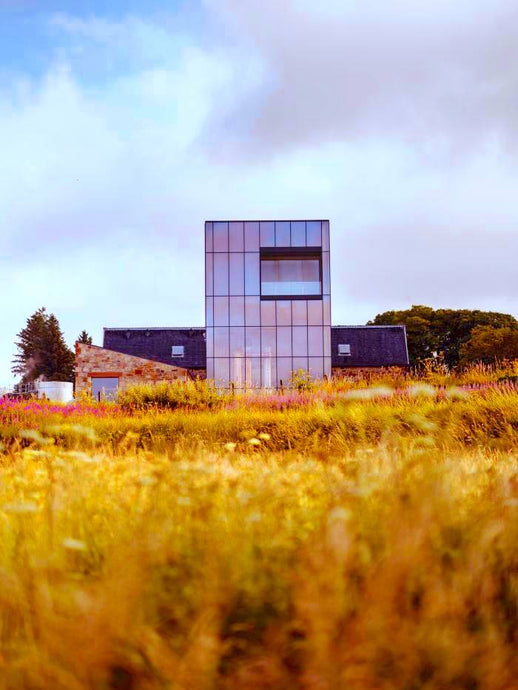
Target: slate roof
{"type": "Point", "coordinates": [156, 344]}
{"type": "Point", "coordinates": [371, 346]}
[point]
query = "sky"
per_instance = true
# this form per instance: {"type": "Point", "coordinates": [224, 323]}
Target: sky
{"type": "Point", "coordinates": [125, 125]}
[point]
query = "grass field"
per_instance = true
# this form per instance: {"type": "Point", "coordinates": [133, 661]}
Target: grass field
{"type": "Point", "coordinates": [352, 535]}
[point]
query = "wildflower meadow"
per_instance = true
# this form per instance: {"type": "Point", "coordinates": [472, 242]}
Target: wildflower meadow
{"type": "Point", "coordinates": [352, 534]}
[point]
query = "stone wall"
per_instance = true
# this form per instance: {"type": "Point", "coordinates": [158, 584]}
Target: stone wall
{"type": "Point", "coordinates": [94, 361]}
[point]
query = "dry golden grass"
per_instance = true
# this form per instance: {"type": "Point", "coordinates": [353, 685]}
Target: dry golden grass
{"type": "Point", "coordinates": [367, 544]}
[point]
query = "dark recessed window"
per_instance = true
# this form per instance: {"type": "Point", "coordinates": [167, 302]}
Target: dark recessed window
{"type": "Point", "coordinates": [177, 351]}
{"type": "Point", "coordinates": [286, 274]}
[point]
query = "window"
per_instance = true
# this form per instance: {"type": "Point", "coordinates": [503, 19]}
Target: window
{"type": "Point", "coordinates": [105, 387]}
{"type": "Point", "coordinates": [177, 351]}
{"type": "Point", "coordinates": [291, 273]}
{"type": "Point", "coordinates": [344, 350]}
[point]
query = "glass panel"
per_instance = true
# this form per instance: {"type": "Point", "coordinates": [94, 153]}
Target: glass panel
{"type": "Point", "coordinates": [298, 233]}
{"type": "Point", "coordinates": [221, 372]}
{"type": "Point", "coordinates": [208, 237]}
{"type": "Point", "coordinates": [284, 341]}
{"type": "Point", "coordinates": [327, 310]}
{"type": "Point", "coordinates": [235, 231]}
{"type": "Point", "coordinates": [105, 388]}
{"type": "Point", "coordinates": [314, 236]}
{"type": "Point", "coordinates": [326, 274]}
{"type": "Point", "coordinates": [253, 373]}
{"type": "Point", "coordinates": [325, 236]}
{"type": "Point", "coordinates": [237, 371]}
{"type": "Point", "coordinates": [267, 313]}
{"type": "Point", "coordinates": [283, 371]}
{"type": "Point", "coordinates": [221, 342]}
{"type": "Point", "coordinates": [327, 341]}
{"type": "Point", "coordinates": [299, 309]}
{"type": "Point", "coordinates": [268, 341]}
{"type": "Point", "coordinates": [220, 237]}
{"type": "Point", "coordinates": [328, 371]}
{"type": "Point", "coordinates": [237, 311]}
{"type": "Point", "coordinates": [252, 274]}
{"type": "Point", "coordinates": [209, 312]}
{"type": "Point", "coordinates": [316, 367]}
{"type": "Point", "coordinates": [300, 363]}
{"type": "Point", "coordinates": [293, 276]}
{"type": "Point", "coordinates": [221, 274]}
{"type": "Point", "coordinates": [267, 234]}
{"type": "Point", "coordinates": [253, 341]}
{"type": "Point", "coordinates": [209, 286]}
{"type": "Point", "coordinates": [300, 341]}
{"type": "Point", "coordinates": [237, 274]}
{"type": "Point", "coordinates": [315, 341]}
{"type": "Point", "coordinates": [283, 313]}
{"type": "Point", "coordinates": [209, 339]}
{"type": "Point", "coordinates": [282, 234]}
{"type": "Point", "coordinates": [252, 311]}
{"type": "Point", "coordinates": [237, 341]}
{"type": "Point", "coordinates": [269, 372]}
{"type": "Point", "coordinates": [221, 311]}
{"type": "Point", "coordinates": [315, 312]}
{"type": "Point", "coordinates": [210, 368]}
{"type": "Point", "coordinates": [252, 236]}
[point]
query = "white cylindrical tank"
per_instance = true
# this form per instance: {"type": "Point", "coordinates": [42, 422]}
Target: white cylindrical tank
{"type": "Point", "coordinates": [59, 391]}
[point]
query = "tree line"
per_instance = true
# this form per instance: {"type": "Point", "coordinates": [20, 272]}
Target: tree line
{"type": "Point", "coordinates": [458, 336]}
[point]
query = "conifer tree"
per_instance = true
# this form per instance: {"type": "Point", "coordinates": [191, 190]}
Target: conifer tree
{"type": "Point", "coordinates": [84, 338]}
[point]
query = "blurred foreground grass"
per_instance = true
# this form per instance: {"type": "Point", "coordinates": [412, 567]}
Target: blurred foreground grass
{"type": "Point", "coordinates": [372, 543]}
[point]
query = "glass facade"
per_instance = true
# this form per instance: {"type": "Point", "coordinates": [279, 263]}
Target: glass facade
{"type": "Point", "coordinates": [268, 301]}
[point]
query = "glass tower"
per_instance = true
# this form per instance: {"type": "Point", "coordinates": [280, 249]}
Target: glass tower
{"type": "Point", "coordinates": [267, 301]}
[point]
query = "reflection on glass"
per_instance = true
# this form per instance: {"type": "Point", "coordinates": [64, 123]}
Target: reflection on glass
{"type": "Point", "coordinates": [298, 233]}
{"type": "Point", "coordinates": [252, 311]}
{"type": "Point", "coordinates": [253, 341]}
{"type": "Point", "coordinates": [237, 341]}
{"type": "Point", "coordinates": [237, 274]}
{"type": "Point", "coordinates": [315, 312]}
{"type": "Point", "coordinates": [208, 237]}
{"type": "Point", "coordinates": [283, 312]}
{"type": "Point", "coordinates": [235, 232]}
{"type": "Point", "coordinates": [327, 310]}
{"type": "Point", "coordinates": [268, 313]}
{"type": "Point", "coordinates": [221, 371]}
{"type": "Point", "coordinates": [209, 312]}
{"type": "Point", "coordinates": [283, 371]}
{"type": "Point", "coordinates": [221, 311]}
{"type": "Point", "coordinates": [237, 371]}
{"type": "Point", "coordinates": [284, 341]}
{"type": "Point", "coordinates": [268, 341]}
{"type": "Point", "coordinates": [326, 278]}
{"type": "Point", "coordinates": [252, 273]}
{"type": "Point", "coordinates": [252, 236]}
{"type": "Point", "coordinates": [315, 341]}
{"type": "Point", "coordinates": [210, 368]}
{"type": "Point", "coordinates": [316, 367]}
{"type": "Point", "coordinates": [221, 342]}
{"type": "Point", "coordinates": [253, 372]}
{"type": "Point", "coordinates": [220, 274]}
{"type": "Point", "coordinates": [237, 311]}
{"type": "Point", "coordinates": [293, 276]}
{"type": "Point", "coordinates": [300, 363]}
{"type": "Point", "coordinates": [220, 237]}
{"type": "Point", "coordinates": [282, 234]}
{"type": "Point", "coordinates": [269, 372]}
{"type": "Point", "coordinates": [300, 341]}
{"type": "Point", "coordinates": [105, 387]}
{"type": "Point", "coordinates": [209, 339]}
{"type": "Point", "coordinates": [209, 289]}
{"type": "Point", "coordinates": [267, 234]}
{"type": "Point", "coordinates": [325, 235]}
{"type": "Point", "coordinates": [314, 236]}
{"type": "Point", "coordinates": [299, 310]}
